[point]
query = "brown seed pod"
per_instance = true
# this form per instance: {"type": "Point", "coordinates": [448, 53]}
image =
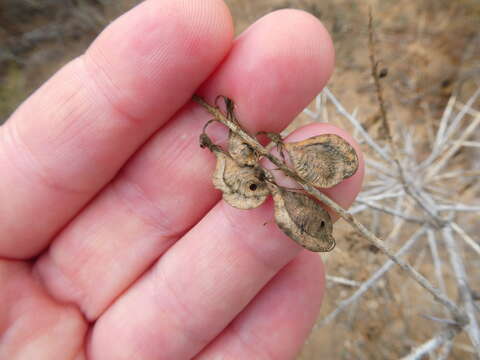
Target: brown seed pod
{"type": "Point", "coordinates": [303, 219]}
{"type": "Point", "coordinates": [240, 151]}
{"type": "Point", "coordinates": [243, 187]}
{"type": "Point", "coordinates": [323, 160]}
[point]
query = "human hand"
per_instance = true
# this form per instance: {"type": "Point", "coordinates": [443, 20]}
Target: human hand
{"type": "Point", "coordinates": [114, 242]}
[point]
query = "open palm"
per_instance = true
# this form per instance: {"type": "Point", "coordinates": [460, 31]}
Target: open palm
{"type": "Point", "coordinates": [114, 244]}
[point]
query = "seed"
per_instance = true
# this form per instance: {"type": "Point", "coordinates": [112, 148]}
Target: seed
{"type": "Point", "coordinates": [243, 187]}
{"type": "Point", "coordinates": [240, 151]}
{"type": "Point", "coordinates": [323, 160]}
{"type": "Point", "coordinates": [303, 219]}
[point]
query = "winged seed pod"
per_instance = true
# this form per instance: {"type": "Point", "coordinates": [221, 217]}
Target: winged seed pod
{"type": "Point", "coordinates": [243, 187]}
{"type": "Point", "coordinates": [302, 219]}
{"type": "Point", "coordinates": [240, 151]}
{"type": "Point", "coordinates": [323, 160]}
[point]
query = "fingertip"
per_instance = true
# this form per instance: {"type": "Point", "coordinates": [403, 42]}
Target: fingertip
{"type": "Point", "coordinates": [287, 49]}
{"type": "Point", "coordinates": [134, 55]}
{"type": "Point", "coordinates": [308, 34]}
{"type": "Point", "coordinates": [292, 297]}
{"type": "Point", "coordinates": [312, 269]}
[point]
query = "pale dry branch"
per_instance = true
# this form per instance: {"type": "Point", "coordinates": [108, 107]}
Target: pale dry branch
{"type": "Point", "coordinates": [389, 211]}
{"type": "Point", "coordinates": [474, 245]}
{"type": "Point", "coordinates": [343, 281]}
{"type": "Point", "coordinates": [445, 351]}
{"type": "Point", "coordinates": [456, 174]}
{"type": "Point", "coordinates": [445, 132]}
{"type": "Point", "coordinates": [356, 124]}
{"type": "Point", "coordinates": [440, 164]}
{"type": "Point", "coordinates": [379, 167]}
{"type": "Point", "coordinates": [365, 286]}
{"type": "Point", "coordinates": [461, 115]}
{"type": "Point", "coordinates": [459, 207]}
{"type": "Point", "coordinates": [358, 209]}
{"type": "Point", "coordinates": [470, 111]}
{"type": "Point", "coordinates": [429, 346]}
{"type": "Point", "coordinates": [437, 262]}
{"type": "Point", "coordinates": [447, 112]}
{"type": "Point", "coordinates": [465, 294]}
{"type": "Point", "coordinates": [386, 195]}
{"type": "Point", "coordinates": [442, 321]}
{"type": "Point", "coordinates": [313, 115]}
{"type": "Point", "coordinates": [474, 144]}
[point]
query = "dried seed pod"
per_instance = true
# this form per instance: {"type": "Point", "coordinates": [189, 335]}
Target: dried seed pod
{"type": "Point", "coordinates": [240, 151]}
{"type": "Point", "coordinates": [323, 160]}
{"type": "Point", "coordinates": [303, 219]}
{"type": "Point", "coordinates": [243, 187]}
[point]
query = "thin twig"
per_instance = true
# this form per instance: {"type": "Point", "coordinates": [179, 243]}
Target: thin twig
{"type": "Point", "coordinates": [445, 351]}
{"type": "Point", "coordinates": [465, 237]}
{"type": "Point", "coordinates": [460, 116]}
{"type": "Point", "coordinates": [383, 196]}
{"type": "Point", "coordinates": [452, 150]}
{"type": "Point", "coordinates": [443, 337]}
{"type": "Point", "coordinates": [371, 281]}
{"type": "Point", "coordinates": [409, 188]}
{"type": "Point", "coordinates": [475, 144]}
{"type": "Point", "coordinates": [437, 262]}
{"type": "Point", "coordinates": [463, 288]}
{"type": "Point", "coordinates": [456, 174]}
{"type": "Point", "coordinates": [458, 207]}
{"type": "Point", "coordinates": [445, 133]}
{"type": "Point", "coordinates": [356, 125]}
{"type": "Point", "coordinates": [390, 211]}
{"type": "Point", "coordinates": [343, 281]}
{"type": "Point", "coordinates": [379, 91]}
{"type": "Point", "coordinates": [443, 122]}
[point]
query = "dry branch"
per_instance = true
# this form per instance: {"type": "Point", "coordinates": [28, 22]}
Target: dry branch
{"type": "Point", "coordinates": [365, 286]}
{"type": "Point", "coordinates": [427, 347]}
{"type": "Point", "coordinates": [463, 288]}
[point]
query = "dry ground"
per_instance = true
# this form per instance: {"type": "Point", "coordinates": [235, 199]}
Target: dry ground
{"type": "Point", "coordinates": [431, 49]}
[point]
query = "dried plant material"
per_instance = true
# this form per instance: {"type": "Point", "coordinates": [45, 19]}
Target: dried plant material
{"type": "Point", "coordinates": [240, 151]}
{"type": "Point", "coordinates": [243, 187]}
{"type": "Point", "coordinates": [303, 219]}
{"type": "Point", "coordinates": [323, 160]}
{"type": "Point", "coordinates": [276, 139]}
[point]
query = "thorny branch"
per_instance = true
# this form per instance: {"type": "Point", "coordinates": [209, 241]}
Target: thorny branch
{"type": "Point", "coordinates": [372, 280]}
{"type": "Point", "coordinates": [441, 338]}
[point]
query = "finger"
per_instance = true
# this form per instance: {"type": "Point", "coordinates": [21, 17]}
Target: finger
{"type": "Point", "coordinates": [71, 137]}
{"type": "Point", "coordinates": [32, 326]}
{"type": "Point", "coordinates": [198, 287]}
{"type": "Point", "coordinates": [166, 188]}
{"type": "Point", "coordinates": [279, 319]}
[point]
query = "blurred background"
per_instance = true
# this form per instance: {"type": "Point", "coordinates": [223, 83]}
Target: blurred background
{"type": "Point", "coordinates": [430, 53]}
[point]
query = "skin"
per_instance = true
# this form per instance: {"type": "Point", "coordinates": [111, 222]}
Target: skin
{"type": "Point", "coordinates": [115, 244]}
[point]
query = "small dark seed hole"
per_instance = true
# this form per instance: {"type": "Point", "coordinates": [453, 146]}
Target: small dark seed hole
{"type": "Point", "coordinates": [253, 187]}
{"type": "Point", "coordinates": [322, 224]}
